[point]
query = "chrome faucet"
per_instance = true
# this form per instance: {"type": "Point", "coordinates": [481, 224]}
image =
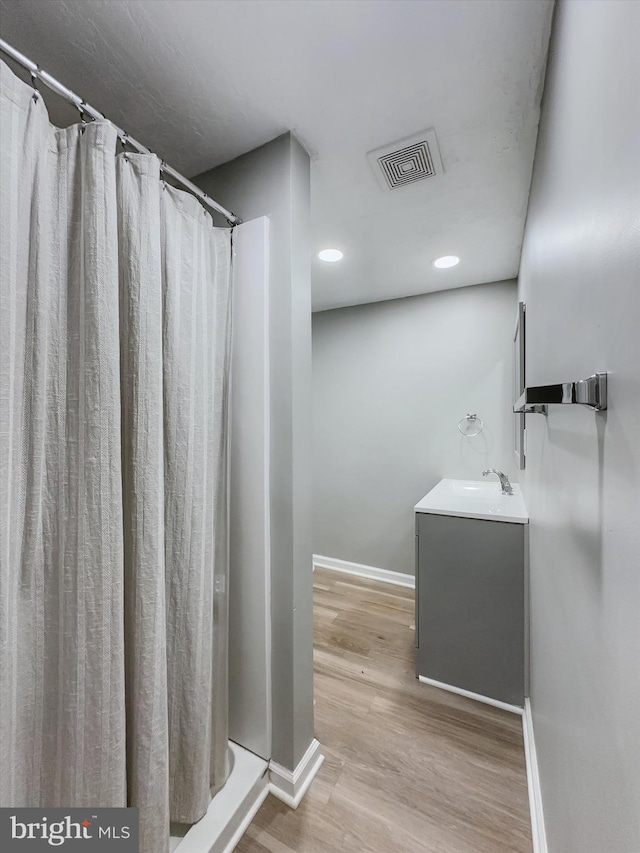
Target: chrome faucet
{"type": "Point", "coordinates": [504, 480]}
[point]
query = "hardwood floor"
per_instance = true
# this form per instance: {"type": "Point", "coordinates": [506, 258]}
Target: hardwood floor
{"type": "Point", "coordinates": [408, 768]}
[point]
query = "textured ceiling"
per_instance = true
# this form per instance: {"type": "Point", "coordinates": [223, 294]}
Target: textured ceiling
{"type": "Point", "coordinates": [202, 81]}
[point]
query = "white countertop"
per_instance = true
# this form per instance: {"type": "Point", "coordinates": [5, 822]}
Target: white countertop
{"type": "Point", "coordinates": [475, 499]}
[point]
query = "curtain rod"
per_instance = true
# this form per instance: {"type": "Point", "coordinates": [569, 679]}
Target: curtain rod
{"type": "Point", "coordinates": [72, 98]}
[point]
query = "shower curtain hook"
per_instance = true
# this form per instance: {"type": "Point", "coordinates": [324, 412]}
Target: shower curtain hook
{"type": "Point", "coordinates": [34, 83]}
{"type": "Point", "coordinates": [83, 121]}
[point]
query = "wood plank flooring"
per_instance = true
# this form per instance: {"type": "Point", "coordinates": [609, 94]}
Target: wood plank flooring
{"type": "Point", "coordinates": [408, 768]}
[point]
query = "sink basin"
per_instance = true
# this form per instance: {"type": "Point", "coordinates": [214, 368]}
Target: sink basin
{"type": "Point", "coordinates": [475, 499]}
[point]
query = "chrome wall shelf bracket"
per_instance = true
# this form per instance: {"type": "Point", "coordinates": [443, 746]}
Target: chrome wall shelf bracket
{"type": "Point", "coordinates": [591, 392]}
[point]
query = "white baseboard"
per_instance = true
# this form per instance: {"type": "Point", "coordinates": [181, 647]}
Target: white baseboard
{"type": "Point", "coordinates": [362, 571]}
{"type": "Point", "coordinates": [514, 709]}
{"type": "Point", "coordinates": [291, 786]}
{"type": "Point", "coordinates": [533, 782]}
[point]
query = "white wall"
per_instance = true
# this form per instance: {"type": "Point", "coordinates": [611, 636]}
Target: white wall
{"type": "Point", "coordinates": [391, 380]}
{"type": "Point", "coordinates": [580, 278]}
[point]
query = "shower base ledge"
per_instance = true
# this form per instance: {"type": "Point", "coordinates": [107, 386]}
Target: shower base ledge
{"type": "Point", "coordinates": [231, 810]}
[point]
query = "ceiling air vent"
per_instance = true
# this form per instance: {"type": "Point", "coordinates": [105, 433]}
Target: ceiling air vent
{"type": "Point", "coordinates": [407, 161]}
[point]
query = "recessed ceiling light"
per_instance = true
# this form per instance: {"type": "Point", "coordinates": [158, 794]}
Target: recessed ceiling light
{"type": "Point", "coordinates": [330, 255]}
{"type": "Point", "coordinates": [446, 261]}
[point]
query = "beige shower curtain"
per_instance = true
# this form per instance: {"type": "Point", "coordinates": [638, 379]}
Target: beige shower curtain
{"type": "Point", "coordinates": [114, 363]}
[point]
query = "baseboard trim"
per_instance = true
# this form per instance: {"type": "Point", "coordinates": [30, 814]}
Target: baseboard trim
{"type": "Point", "coordinates": [533, 782]}
{"type": "Point", "coordinates": [514, 709]}
{"type": "Point", "coordinates": [291, 786]}
{"type": "Point", "coordinates": [359, 570]}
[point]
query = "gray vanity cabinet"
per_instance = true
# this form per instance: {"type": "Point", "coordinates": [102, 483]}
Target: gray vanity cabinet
{"type": "Point", "coordinates": [470, 604]}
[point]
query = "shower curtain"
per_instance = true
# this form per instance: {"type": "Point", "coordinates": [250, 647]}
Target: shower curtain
{"type": "Point", "coordinates": [114, 365]}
